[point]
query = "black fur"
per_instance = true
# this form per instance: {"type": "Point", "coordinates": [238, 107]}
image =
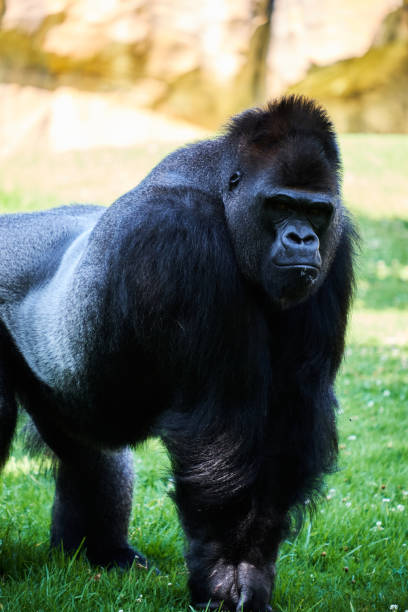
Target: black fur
{"type": "Point", "coordinates": [207, 305]}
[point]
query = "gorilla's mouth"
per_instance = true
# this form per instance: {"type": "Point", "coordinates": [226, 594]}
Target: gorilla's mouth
{"type": "Point", "coordinates": [297, 265]}
{"type": "Point", "coordinates": [304, 270]}
{"type": "Point", "coordinates": [290, 283]}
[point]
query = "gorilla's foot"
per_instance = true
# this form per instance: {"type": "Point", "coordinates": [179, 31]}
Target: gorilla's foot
{"type": "Point", "coordinates": [122, 557]}
{"type": "Point", "coordinates": [239, 588]}
{"type": "Point", "coordinates": [219, 605]}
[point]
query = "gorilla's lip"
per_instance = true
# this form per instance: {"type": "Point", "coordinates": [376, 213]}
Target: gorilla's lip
{"type": "Point", "coordinates": [298, 265]}
{"type": "Point", "coordinates": [306, 271]}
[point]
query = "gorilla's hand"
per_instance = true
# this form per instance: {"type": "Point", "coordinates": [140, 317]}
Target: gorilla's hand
{"type": "Point", "coordinates": [241, 587]}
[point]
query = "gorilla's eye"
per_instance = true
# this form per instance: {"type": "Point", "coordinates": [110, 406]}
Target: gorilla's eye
{"type": "Point", "coordinates": [319, 216]}
{"type": "Point", "coordinates": [234, 179]}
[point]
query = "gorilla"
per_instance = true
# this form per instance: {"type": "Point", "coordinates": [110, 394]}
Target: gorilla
{"type": "Point", "coordinates": [208, 305]}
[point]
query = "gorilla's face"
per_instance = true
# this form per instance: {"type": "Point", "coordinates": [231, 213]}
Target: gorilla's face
{"type": "Point", "coordinates": [284, 237]}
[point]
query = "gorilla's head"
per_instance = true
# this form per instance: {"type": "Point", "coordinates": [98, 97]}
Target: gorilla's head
{"type": "Point", "coordinates": [282, 198]}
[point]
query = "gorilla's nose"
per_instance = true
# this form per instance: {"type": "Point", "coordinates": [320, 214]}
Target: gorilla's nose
{"type": "Point", "coordinates": [300, 238]}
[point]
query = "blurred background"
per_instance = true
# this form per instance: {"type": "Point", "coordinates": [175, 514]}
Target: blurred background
{"type": "Point", "coordinates": [77, 74]}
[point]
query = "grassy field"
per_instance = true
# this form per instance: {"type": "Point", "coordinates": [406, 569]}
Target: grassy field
{"type": "Point", "coordinates": [353, 554]}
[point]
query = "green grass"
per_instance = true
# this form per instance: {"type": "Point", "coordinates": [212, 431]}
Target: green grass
{"type": "Point", "coordinates": [353, 554]}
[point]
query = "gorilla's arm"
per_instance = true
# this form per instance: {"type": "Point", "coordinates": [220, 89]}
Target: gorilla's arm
{"type": "Point", "coordinates": [250, 453]}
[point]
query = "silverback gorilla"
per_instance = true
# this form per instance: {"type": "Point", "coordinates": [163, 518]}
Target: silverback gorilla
{"type": "Point", "coordinates": [208, 305]}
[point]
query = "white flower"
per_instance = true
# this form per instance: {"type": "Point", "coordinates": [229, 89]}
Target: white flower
{"type": "Point", "coordinates": [352, 438]}
{"type": "Point", "coordinates": [387, 393]}
{"type": "Point", "coordinates": [400, 508]}
{"type": "Point", "coordinates": [386, 500]}
{"type": "Point", "coordinates": [393, 607]}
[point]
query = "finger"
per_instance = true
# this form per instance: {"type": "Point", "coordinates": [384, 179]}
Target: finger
{"type": "Point", "coordinates": [245, 598]}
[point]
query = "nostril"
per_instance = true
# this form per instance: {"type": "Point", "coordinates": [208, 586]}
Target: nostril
{"type": "Point", "coordinates": [309, 239]}
{"type": "Point", "coordinates": [293, 237]}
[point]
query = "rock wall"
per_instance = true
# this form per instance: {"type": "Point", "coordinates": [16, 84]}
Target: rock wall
{"type": "Point", "coordinates": [367, 93]}
{"type": "Point", "coordinates": [204, 61]}
{"type": "Point", "coordinates": [198, 61]}
{"type": "Point", "coordinates": [310, 33]}
{"type": "Point", "coordinates": [67, 119]}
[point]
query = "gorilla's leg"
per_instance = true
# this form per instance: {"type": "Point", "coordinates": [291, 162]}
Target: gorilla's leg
{"type": "Point", "coordinates": [93, 500]}
{"type": "Point", "coordinates": [8, 413]}
{"type": "Point", "coordinates": [231, 523]}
